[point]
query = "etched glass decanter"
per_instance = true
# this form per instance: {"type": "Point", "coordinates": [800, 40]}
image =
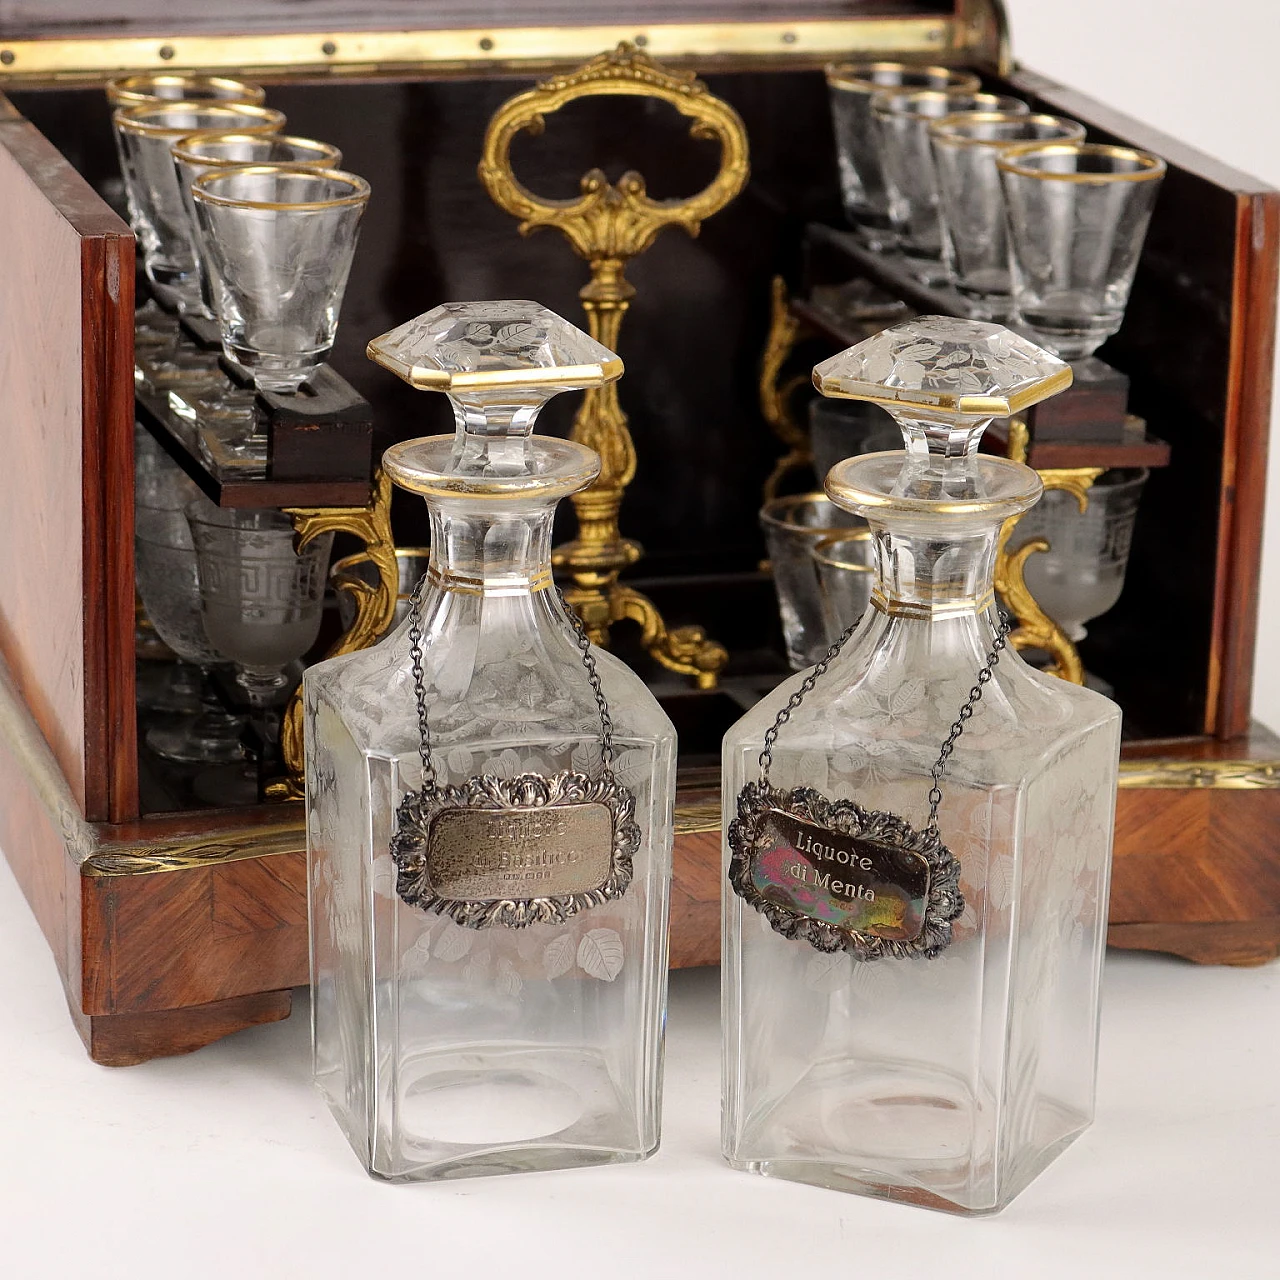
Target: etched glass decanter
{"type": "Point", "coordinates": [918, 832]}
{"type": "Point", "coordinates": [489, 806]}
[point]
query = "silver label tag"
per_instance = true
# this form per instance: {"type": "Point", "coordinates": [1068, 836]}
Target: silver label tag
{"type": "Point", "coordinates": [518, 851]}
{"type": "Point", "coordinates": [841, 877]}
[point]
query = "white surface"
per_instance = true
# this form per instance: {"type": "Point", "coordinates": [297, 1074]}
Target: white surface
{"type": "Point", "coordinates": [227, 1164]}
{"type": "Point", "coordinates": [1202, 71]}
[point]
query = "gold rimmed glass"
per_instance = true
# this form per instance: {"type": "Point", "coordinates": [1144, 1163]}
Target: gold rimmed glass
{"type": "Point", "coordinates": [852, 86]}
{"type": "Point", "coordinates": [971, 201]}
{"type": "Point", "coordinates": [846, 574]}
{"type": "Point", "coordinates": [1078, 216]}
{"type": "Point", "coordinates": [902, 123]}
{"type": "Point", "coordinates": [203, 153]}
{"type": "Point", "coordinates": [792, 526]}
{"type": "Point", "coordinates": [176, 86]}
{"type": "Point", "coordinates": [278, 241]}
{"type": "Point", "coordinates": [144, 135]}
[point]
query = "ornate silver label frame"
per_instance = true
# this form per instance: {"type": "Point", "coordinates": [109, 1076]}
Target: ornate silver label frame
{"type": "Point", "coordinates": [841, 877]}
{"type": "Point", "coordinates": [515, 852]}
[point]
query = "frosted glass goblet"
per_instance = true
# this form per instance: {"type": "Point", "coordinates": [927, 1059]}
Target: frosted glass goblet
{"type": "Point", "coordinates": [1081, 576]}
{"type": "Point", "coordinates": [261, 600]}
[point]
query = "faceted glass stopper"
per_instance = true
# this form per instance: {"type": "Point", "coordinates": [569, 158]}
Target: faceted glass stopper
{"type": "Point", "coordinates": [499, 363]}
{"type": "Point", "coordinates": [491, 346]}
{"type": "Point", "coordinates": [943, 379]}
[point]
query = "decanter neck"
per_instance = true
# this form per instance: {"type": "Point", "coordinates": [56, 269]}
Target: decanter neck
{"type": "Point", "coordinates": [480, 550]}
{"type": "Point", "coordinates": [921, 576]}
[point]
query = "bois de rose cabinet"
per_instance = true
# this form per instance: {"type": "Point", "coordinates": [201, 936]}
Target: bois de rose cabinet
{"type": "Point", "coordinates": [175, 924]}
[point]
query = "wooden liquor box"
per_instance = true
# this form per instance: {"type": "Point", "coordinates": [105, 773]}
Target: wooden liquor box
{"type": "Point", "coordinates": [175, 922]}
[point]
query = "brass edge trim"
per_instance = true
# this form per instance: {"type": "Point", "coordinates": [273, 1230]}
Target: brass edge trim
{"type": "Point", "coordinates": [189, 149]}
{"type": "Point", "coordinates": [132, 119]}
{"type": "Point", "coordinates": [191, 852]}
{"type": "Point", "coordinates": [1153, 167]}
{"type": "Point", "coordinates": [201, 187]}
{"type": "Point", "coordinates": [94, 58]}
{"type": "Point", "coordinates": [1230, 775]}
{"type": "Point", "coordinates": [950, 608]}
{"type": "Point", "coordinates": [974, 406]}
{"type": "Point", "coordinates": [694, 817]}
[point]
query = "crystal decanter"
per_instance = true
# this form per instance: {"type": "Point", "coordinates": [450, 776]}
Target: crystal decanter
{"type": "Point", "coordinates": [918, 831]}
{"type": "Point", "coordinates": [489, 806]}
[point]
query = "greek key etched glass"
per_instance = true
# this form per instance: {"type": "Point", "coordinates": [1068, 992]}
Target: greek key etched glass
{"type": "Point", "coordinates": [488, 997]}
{"type": "Point", "coordinates": [893, 1028]}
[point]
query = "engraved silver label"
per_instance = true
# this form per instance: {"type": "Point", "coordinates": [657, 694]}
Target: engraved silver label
{"type": "Point", "coordinates": [840, 877]}
{"type": "Point", "coordinates": [518, 851]}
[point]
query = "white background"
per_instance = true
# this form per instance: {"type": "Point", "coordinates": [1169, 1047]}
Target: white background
{"type": "Point", "coordinates": [225, 1164]}
{"type": "Point", "coordinates": [1204, 71]}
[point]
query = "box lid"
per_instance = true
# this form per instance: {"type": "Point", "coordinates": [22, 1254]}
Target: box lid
{"type": "Point", "coordinates": [88, 40]}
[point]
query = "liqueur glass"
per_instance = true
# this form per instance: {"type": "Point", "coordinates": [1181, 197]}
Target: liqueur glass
{"type": "Point", "coordinates": [971, 201]}
{"type": "Point", "coordinates": [845, 579]}
{"type": "Point", "coordinates": [261, 600]}
{"type": "Point", "coordinates": [902, 124]}
{"type": "Point", "coordinates": [214, 152]}
{"type": "Point", "coordinates": [172, 86]}
{"type": "Point", "coordinates": [278, 242]}
{"type": "Point", "coordinates": [144, 135]}
{"type": "Point", "coordinates": [852, 86]}
{"type": "Point", "coordinates": [447, 1051]}
{"type": "Point", "coordinates": [947, 1068]}
{"type": "Point", "coordinates": [840, 429]}
{"type": "Point", "coordinates": [169, 583]}
{"type": "Point", "coordinates": [411, 562]}
{"type": "Point", "coordinates": [1078, 215]}
{"type": "Point", "coordinates": [792, 526]}
{"type": "Point", "coordinates": [1081, 574]}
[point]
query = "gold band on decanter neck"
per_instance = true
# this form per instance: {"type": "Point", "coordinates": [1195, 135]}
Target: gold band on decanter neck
{"type": "Point", "coordinates": [948, 607]}
{"type": "Point", "coordinates": [475, 584]}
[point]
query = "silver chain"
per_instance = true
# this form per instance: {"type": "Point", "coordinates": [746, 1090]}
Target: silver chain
{"type": "Point", "coordinates": [429, 779]}
{"type": "Point", "coordinates": [948, 746]}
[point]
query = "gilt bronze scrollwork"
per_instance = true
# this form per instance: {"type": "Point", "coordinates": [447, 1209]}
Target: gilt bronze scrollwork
{"type": "Point", "coordinates": [607, 225]}
{"type": "Point", "coordinates": [375, 603]}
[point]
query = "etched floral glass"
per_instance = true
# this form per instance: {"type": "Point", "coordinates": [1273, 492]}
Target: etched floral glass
{"type": "Point", "coordinates": [946, 1080]}
{"type": "Point", "coordinates": [144, 135]}
{"type": "Point", "coordinates": [277, 242]}
{"type": "Point", "coordinates": [971, 201]}
{"type": "Point", "coordinates": [1078, 217]}
{"type": "Point", "coordinates": [852, 86]}
{"type": "Point", "coordinates": [902, 125]}
{"type": "Point", "coordinates": [444, 1050]}
{"type": "Point", "coordinates": [792, 527]}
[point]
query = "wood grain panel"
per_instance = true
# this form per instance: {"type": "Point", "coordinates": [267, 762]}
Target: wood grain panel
{"type": "Point", "coordinates": [66, 301]}
{"type": "Point", "coordinates": [125, 1039]}
{"type": "Point", "coordinates": [194, 936]}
